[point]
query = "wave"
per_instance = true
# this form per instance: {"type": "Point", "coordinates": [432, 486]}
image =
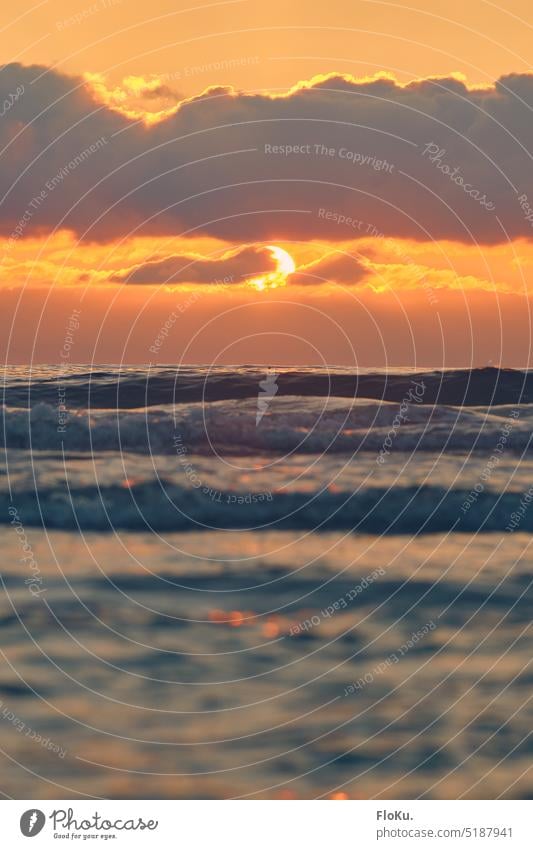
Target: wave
{"type": "Point", "coordinates": [289, 424]}
{"type": "Point", "coordinates": [164, 506]}
{"type": "Point", "coordinates": [130, 388]}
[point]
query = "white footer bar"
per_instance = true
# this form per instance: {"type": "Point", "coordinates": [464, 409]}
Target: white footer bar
{"type": "Point", "coordinates": [267, 824]}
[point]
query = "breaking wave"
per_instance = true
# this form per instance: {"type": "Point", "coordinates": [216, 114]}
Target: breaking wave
{"type": "Point", "coordinates": [289, 424]}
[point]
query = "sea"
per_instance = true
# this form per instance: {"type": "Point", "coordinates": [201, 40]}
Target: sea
{"type": "Point", "coordinates": [262, 582]}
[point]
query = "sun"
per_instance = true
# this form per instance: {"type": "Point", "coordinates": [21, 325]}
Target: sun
{"type": "Point", "coordinates": [286, 266]}
{"type": "Point", "coordinates": [285, 261]}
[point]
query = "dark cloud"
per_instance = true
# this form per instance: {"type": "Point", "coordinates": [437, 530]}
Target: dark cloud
{"type": "Point", "coordinates": [333, 159]}
{"type": "Point", "coordinates": [237, 266]}
{"type": "Point", "coordinates": [232, 267]}
{"type": "Point", "coordinates": [335, 267]}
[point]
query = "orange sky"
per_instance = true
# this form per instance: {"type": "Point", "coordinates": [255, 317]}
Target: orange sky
{"type": "Point", "coordinates": [291, 39]}
{"type": "Point", "coordinates": [444, 299]}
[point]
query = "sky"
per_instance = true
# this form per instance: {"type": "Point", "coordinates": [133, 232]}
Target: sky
{"type": "Point", "coordinates": [349, 183]}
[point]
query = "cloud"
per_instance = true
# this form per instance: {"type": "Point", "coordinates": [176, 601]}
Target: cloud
{"type": "Point", "coordinates": [335, 267]}
{"type": "Point", "coordinates": [233, 267]}
{"type": "Point", "coordinates": [134, 95]}
{"type": "Point", "coordinates": [332, 159]}
{"type": "Point", "coordinates": [238, 266]}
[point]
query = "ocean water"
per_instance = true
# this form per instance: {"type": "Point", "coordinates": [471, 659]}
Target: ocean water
{"type": "Point", "coordinates": [235, 583]}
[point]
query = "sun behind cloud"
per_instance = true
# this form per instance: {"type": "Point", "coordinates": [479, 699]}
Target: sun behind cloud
{"type": "Point", "coordinates": [274, 279]}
